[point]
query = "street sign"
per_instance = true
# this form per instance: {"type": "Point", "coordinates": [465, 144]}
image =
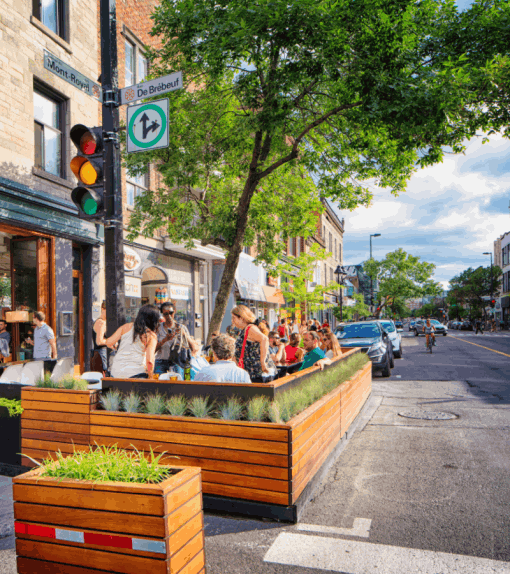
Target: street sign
{"type": "Point", "coordinates": [75, 78]}
{"type": "Point", "coordinates": [147, 126]}
{"type": "Point", "coordinates": [155, 87]}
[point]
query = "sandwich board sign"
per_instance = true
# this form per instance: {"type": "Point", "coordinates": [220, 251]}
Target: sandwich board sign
{"type": "Point", "coordinates": [147, 126]}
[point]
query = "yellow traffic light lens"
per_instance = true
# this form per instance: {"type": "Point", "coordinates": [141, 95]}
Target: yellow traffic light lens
{"type": "Point", "coordinates": [88, 143]}
{"type": "Point", "coordinates": [88, 174]}
{"type": "Point", "coordinates": [76, 164]}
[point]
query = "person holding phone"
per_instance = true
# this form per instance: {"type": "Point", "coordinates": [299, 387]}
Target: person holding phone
{"type": "Point", "coordinates": [167, 331]}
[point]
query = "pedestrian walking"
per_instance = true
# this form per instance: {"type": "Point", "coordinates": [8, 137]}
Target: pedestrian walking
{"type": "Point", "coordinates": [283, 329]}
{"type": "Point", "coordinates": [44, 342]}
{"type": "Point", "coordinates": [478, 326]}
{"type": "Point", "coordinates": [5, 340]}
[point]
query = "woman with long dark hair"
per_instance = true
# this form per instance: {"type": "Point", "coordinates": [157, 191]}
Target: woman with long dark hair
{"type": "Point", "coordinates": [135, 356]}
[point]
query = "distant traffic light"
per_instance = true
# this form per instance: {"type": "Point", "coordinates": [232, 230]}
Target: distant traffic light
{"type": "Point", "coordinates": [493, 302]}
{"type": "Point", "coordinates": [87, 166]}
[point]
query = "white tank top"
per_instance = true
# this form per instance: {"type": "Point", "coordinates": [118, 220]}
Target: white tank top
{"type": "Point", "coordinates": [130, 358]}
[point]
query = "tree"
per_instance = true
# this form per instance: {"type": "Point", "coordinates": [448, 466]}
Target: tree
{"type": "Point", "coordinates": [277, 92]}
{"type": "Point", "coordinates": [401, 276]}
{"type": "Point", "coordinates": [472, 285]}
{"type": "Point", "coordinates": [359, 309]}
{"type": "Point", "coordinates": [297, 275]}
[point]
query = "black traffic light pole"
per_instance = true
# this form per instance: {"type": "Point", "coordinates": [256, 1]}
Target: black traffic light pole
{"type": "Point", "coordinates": [113, 227]}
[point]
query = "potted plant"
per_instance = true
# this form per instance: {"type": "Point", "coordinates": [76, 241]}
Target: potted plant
{"type": "Point", "coordinates": [10, 431]}
{"type": "Point", "coordinates": [110, 510]}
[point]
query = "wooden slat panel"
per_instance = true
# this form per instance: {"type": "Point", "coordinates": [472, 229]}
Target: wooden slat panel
{"type": "Point", "coordinates": [89, 499]}
{"type": "Point", "coordinates": [308, 458]}
{"type": "Point", "coordinates": [263, 459]}
{"type": "Point", "coordinates": [55, 436]}
{"type": "Point", "coordinates": [195, 566]}
{"type": "Point", "coordinates": [183, 514]}
{"type": "Point", "coordinates": [186, 491]}
{"type": "Point", "coordinates": [109, 561]}
{"type": "Point", "coordinates": [299, 449]}
{"type": "Point", "coordinates": [189, 426]}
{"type": "Point", "coordinates": [56, 407]}
{"type": "Point", "coordinates": [64, 396]}
{"type": "Point", "coordinates": [185, 533]}
{"type": "Point", "coordinates": [247, 481]}
{"type": "Point", "coordinates": [46, 445]}
{"type": "Point", "coordinates": [313, 413]}
{"type": "Point", "coordinates": [191, 439]}
{"type": "Point", "coordinates": [331, 411]}
{"type": "Point", "coordinates": [320, 461]}
{"type": "Point", "coordinates": [134, 524]}
{"type": "Point", "coordinates": [245, 493]}
{"type": "Point", "coordinates": [54, 426]}
{"type": "Point", "coordinates": [31, 566]}
{"type": "Point", "coordinates": [54, 416]}
{"type": "Point", "coordinates": [179, 560]}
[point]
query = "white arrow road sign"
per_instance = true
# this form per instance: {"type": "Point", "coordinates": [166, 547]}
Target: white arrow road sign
{"type": "Point", "coordinates": [147, 126]}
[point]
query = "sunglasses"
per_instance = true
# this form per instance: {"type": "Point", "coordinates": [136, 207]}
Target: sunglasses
{"type": "Point", "coordinates": [168, 313]}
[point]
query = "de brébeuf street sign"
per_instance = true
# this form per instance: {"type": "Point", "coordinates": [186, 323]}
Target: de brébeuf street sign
{"type": "Point", "coordinates": [147, 126]}
{"type": "Point", "coordinates": [151, 88]}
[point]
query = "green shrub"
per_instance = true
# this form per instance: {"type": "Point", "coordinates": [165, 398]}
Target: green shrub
{"type": "Point", "coordinates": [273, 412]}
{"type": "Point", "coordinates": [155, 404]}
{"type": "Point", "coordinates": [68, 382]}
{"type": "Point", "coordinates": [13, 406]}
{"type": "Point", "coordinates": [132, 403]}
{"type": "Point", "coordinates": [46, 382]}
{"type": "Point", "coordinates": [176, 405]}
{"type": "Point", "coordinates": [231, 410]}
{"type": "Point", "coordinates": [111, 400]}
{"type": "Point", "coordinates": [256, 409]}
{"type": "Point", "coordinates": [199, 407]}
{"type": "Point", "coordinates": [101, 464]}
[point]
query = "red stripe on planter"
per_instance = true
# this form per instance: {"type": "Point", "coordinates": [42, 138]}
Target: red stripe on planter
{"type": "Point", "coordinates": [108, 540]}
{"type": "Point", "coordinates": [20, 528]}
{"type": "Point", "coordinates": [37, 530]}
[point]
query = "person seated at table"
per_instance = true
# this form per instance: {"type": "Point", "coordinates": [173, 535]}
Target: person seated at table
{"type": "Point", "coordinates": [276, 348]}
{"type": "Point", "coordinates": [214, 334]}
{"type": "Point", "coordinates": [197, 361]}
{"type": "Point", "coordinates": [293, 353]}
{"type": "Point", "coordinates": [224, 369]}
{"type": "Point", "coordinates": [331, 346]}
{"type": "Point", "coordinates": [135, 357]}
{"type": "Point", "coordinates": [314, 354]}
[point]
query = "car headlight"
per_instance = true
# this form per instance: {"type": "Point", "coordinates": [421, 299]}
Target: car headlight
{"type": "Point", "coordinates": [377, 349]}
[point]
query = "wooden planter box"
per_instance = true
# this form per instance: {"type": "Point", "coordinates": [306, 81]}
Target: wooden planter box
{"type": "Point", "coordinates": [10, 444]}
{"type": "Point", "coordinates": [80, 527]}
{"type": "Point", "coordinates": [53, 420]}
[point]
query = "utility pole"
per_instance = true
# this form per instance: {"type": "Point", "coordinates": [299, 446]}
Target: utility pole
{"type": "Point", "coordinates": [113, 225]}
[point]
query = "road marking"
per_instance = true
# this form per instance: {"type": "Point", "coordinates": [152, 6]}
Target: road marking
{"type": "Point", "coordinates": [361, 528]}
{"type": "Point", "coordinates": [477, 345]}
{"type": "Point", "coordinates": [354, 557]}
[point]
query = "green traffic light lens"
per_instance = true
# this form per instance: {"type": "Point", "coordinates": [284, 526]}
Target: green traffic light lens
{"type": "Point", "coordinates": [89, 204]}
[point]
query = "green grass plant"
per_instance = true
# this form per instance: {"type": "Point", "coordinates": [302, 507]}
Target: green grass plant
{"type": "Point", "coordinates": [231, 410]}
{"type": "Point", "coordinates": [200, 407]}
{"type": "Point", "coordinates": [155, 404]}
{"type": "Point", "coordinates": [273, 412]}
{"type": "Point", "coordinates": [132, 403]}
{"type": "Point", "coordinates": [103, 463]}
{"type": "Point", "coordinates": [46, 382]}
{"type": "Point", "coordinates": [256, 409]}
{"type": "Point", "coordinates": [111, 401]}
{"type": "Point", "coordinates": [177, 405]}
{"type": "Point", "coordinates": [13, 406]}
{"type": "Point", "coordinates": [72, 383]}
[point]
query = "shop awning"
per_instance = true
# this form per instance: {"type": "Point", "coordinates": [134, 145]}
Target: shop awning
{"type": "Point", "coordinates": [250, 291]}
{"type": "Point", "coordinates": [273, 295]}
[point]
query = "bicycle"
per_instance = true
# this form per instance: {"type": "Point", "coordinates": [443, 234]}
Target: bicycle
{"type": "Point", "coordinates": [430, 344]}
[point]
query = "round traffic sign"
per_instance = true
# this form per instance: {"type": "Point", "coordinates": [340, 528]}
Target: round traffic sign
{"type": "Point", "coordinates": [147, 116]}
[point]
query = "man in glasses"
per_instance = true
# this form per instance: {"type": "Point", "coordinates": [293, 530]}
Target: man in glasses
{"type": "Point", "coordinates": [276, 348]}
{"type": "Point", "coordinates": [167, 331]}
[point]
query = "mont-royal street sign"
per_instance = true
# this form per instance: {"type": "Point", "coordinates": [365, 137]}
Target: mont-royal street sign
{"type": "Point", "coordinates": [151, 88]}
{"type": "Point", "coordinates": [75, 78]}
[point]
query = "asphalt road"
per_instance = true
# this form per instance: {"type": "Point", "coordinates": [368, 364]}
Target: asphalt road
{"type": "Point", "coordinates": [407, 495]}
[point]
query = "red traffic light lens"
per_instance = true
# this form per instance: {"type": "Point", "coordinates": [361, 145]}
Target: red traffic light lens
{"type": "Point", "coordinates": [88, 144]}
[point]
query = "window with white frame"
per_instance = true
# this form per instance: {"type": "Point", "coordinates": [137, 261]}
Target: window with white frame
{"type": "Point", "coordinates": [52, 14]}
{"type": "Point", "coordinates": [136, 64]}
{"type": "Point", "coordinates": [48, 119]}
{"type": "Point", "coordinates": [135, 185]}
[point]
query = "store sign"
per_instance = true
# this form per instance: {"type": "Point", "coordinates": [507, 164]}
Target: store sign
{"type": "Point", "coordinates": [131, 259]}
{"type": "Point", "coordinates": [179, 292]}
{"type": "Point", "coordinates": [133, 287]}
{"type": "Point", "coordinates": [250, 291]}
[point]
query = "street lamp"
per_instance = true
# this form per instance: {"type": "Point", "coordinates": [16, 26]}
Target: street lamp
{"type": "Point", "coordinates": [490, 253]}
{"type": "Point", "coordinates": [341, 274]}
{"type": "Point", "coordinates": [371, 280]}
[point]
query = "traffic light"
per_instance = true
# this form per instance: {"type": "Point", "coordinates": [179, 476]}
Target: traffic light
{"type": "Point", "coordinates": [493, 303]}
{"type": "Point", "coordinates": [87, 166]}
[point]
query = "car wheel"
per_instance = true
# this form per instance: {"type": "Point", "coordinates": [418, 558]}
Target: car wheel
{"type": "Point", "coordinates": [386, 371]}
{"type": "Point", "coordinates": [392, 360]}
{"type": "Point", "coordinates": [398, 354]}
{"type": "Point", "coordinates": [416, 333]}
{"type": "Point", "coordinates": [444, 334]}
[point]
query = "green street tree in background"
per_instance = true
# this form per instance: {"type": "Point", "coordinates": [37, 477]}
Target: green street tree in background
{"type": "Point", "coordinates": [288, 101]}
{"type": "Point", "coordinates": [356, 311]}
{"type": "Point", "coordinates": [401, 276]}
{"type": "Point", "coordinates": [471, 286]}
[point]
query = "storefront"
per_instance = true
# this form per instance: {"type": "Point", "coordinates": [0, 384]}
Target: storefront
{"type": "Point", "coordinates": [47, 257]}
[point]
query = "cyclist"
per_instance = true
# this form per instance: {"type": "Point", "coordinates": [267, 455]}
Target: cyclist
{"type": "Point", "coordinates": [429, 329]}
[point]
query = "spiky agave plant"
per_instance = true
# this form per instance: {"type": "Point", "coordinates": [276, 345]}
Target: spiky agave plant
{"type": "Point", "coordinates": [231, 410]}
{"type": "Point", "coordinates": [176, 405]}
{"type": "Point", "coordinates": [155, 404]}
{"type": "Point", "coordinates": [111, 400]}
{"type": "Point", "coordinates": [132, 403]}
{"type": "Point", "coordinates": [199, 407]}
{"type": "Point", "coordinates": [257, 408]}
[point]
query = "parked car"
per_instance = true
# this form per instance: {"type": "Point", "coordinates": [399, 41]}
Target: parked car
{"type": "Point", "coordinates": [418, 327]}
{"type": "Point", "coordinates": [399, 325]}
{"type": "Point", "coordinates": [395, 338]}
{"type": "Point", "coordinates": [411, 324]}
{"type": "Point", "coordinates": [373, 340]}
{"type": "Point", "coordinates": [466, 326]}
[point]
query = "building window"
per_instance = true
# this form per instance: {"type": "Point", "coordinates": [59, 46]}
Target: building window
{"type": "Point", "coordinates": [292, 246]}
{"type": "Point", "coordinates": [51, 14]}
{"type": "Point", "coordinates": [48, 112]}
{"type": "Point", "coordinates": [136, 185]}
{"type": "Point", "coordinates": [340, 253]}
{"type": "Point", "coordinates": [246, 250]}
{"type": "Point", "coordinates": [136, 66]}
{"type": "Point", "coordinates": [331, 273]}
{"type": "Point", "coordinates": [331, 243]}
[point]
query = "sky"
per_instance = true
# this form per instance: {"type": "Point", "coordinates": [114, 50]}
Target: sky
{"type": "Point", "coordinates": [450, 214]}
